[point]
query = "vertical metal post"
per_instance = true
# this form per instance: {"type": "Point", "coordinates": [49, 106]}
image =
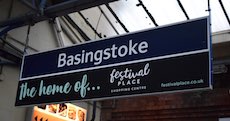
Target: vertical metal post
{"type": "Point", "coordinates": [209, 11]}
{"type": "Point", "coordinates": [94, 110]}
{"type": "Point", "coordinates": [27, 40]}
{"type": "Point", "coordinates": [210, 36]}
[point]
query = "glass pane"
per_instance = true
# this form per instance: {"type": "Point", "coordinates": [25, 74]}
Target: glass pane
{"type": "Point", "coordinates": [92, 15]}
{"type": "Point", "coordinates": [165, 11]}
{"type": "Point", "coordinates": [195, 8]}
{"type": "Point", "coordinates": [226, 4]}
{"type": "Point", "coordinates": [133, 17]}
{"type": "Point", "coordinates": [219, 22]}
{"type": "Point", "coordinates": [112, 19]}
{"type": "Point", "coordinates": [99, 22]}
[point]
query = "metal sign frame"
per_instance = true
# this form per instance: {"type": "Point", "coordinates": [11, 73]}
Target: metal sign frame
{"type": "Point", "coordinates": [138, 64]}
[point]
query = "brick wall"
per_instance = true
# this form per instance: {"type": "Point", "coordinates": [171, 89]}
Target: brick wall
{"type": "Point", "coordinates": [207, 105]}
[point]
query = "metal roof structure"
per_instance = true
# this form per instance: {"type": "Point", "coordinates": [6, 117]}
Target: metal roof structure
{"type": "Point", "coordinates": [134, 15]}
{"type": "Point", "coordinates": [86, 20]}
{"type": "Point", "coordinates": [131, 15]}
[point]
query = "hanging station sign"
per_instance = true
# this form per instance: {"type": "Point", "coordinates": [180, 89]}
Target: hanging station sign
{"type": "Point", "coordinates": [164, 59]}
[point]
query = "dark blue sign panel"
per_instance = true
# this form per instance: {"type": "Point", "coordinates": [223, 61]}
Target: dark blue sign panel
{"type": "Point", "coordinates": [166, 59]}
{"type": "Point", "coordinates": [162, 41]}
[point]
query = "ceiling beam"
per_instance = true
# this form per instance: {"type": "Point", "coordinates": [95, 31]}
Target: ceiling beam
{"type": "Point", "coordinates": [54, 10]}
{"type": "Point", "coordinates": [10, 52]}
{"type": "Point", "coordinates": [224, 10]}
{"type": "Point", "coordinates": [148, 13]}
{"type": "Point", "coordinates": [117, 18]}
{"type": "Point", "coordinates": [81, 32]}
{"type": "Point", "coordinates": [90, 25]}
{"type": "Point", "coordinates": [71, 6]}
{"type": "Point", "coordinates": [182, 8]}
{"type": "Point", "coordinates": [107, 18]}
